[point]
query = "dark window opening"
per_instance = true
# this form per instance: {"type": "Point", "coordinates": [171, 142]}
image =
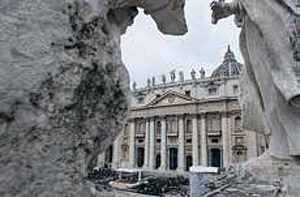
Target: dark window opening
{"type": "Point", "coordinates": [140, 157]}
{"type": "Point", "coordinates": [189, 162]}
{"type": "Point", "coordinates": [157, 163]}
{"type": "Point", "coordinates": [212, 91]}
{"type": "Point", "coordinates": [188, 93]}
{"type": "Point", "coordinates": [235, 89]}
{"type": "Point", "coordinates": [189, 126]}
{"type": "Point", "coordinates": [215, 157]}
{"type": "Point", "coordinates": [158, 140]}
{"type": "Point", "coordinates": [173, 159]}
{"type": "Point", "coordinates": [158, 128]}
{"type": "Point", "coordinates": [214, 140]}
{"type": "Point", "coordinates": [140, 141]}
{"type": "Point", "coordinates": [189, 140]}
{"type": "Point", "coordinates": [140, 100]}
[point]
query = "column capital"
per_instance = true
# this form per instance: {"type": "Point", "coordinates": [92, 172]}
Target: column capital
{"type": "Point", "coordinates": [195, 115]}
{"type": "Point", "coordinates": [180, 116]}
{"type": "Point", "coordinates": [203, 115]}
{"type": "Point", "coordinates": [131, 120]}
{"type": "Point", "coordinates": [225, 113]}
{"type": "Point", "coordinates": [163, 117]}
{"type": "Point", "coordinates": [151, 118]}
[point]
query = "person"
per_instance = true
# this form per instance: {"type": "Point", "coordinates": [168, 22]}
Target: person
{"type": "Point", "coordinates": [271, 86]}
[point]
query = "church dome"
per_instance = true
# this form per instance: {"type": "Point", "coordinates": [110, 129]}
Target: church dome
{"type": "Point", "coordinates": [229, 66]}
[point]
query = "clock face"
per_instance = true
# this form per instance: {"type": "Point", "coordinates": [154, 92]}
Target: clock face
{"type": "Point", "coordinates": [171, 98]}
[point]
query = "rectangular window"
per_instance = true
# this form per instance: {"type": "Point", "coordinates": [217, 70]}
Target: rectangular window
{"type": "Point", "coordinates": [215, 140]}
{"type": "Point", "coordinates": [188, 93]}
{"type": "Point", "coordinates": [239, 140]}
{"type": "Point", "coordinates": [212, 91]}
{"type": "Point", "coordinates": [140, 100]}
{"type": "Point", "coordinates": [235, 89]}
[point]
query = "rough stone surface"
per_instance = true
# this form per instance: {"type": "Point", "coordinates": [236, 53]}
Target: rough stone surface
{"type": "Point", "coordinates": [272, 69]}
{"type": "Point", "coordinates": [63, 89]}
{"type": "Point", "coordinates": [270, 44]}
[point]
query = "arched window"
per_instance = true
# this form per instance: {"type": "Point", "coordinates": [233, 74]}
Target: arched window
{"type": "Point", "coordinates": [124, 151]}
{"type": "Point", "coordinates": [158, 128]}
{"type": "Point", "coordinates": [140, 127]}
{"type": "Point", "coordinates": [214, 123]}
{"type": "Point", "coordinates": [238, 123]}
{"type": "Point", "coordinates": [240, 157]}
{"type": "Point", "coordinates": [171, 125]}
{"type": "Point", "coordinates": [189, 126]}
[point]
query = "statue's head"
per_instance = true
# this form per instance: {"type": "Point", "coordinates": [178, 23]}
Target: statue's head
{"type": "Point", "coordinates": [169, 17]}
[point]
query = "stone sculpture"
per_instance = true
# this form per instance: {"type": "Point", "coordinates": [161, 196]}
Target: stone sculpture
{"type": "Point", "coordinates": [271, 85]}
{"type": "Point", "coordinates": [163, 78]}
{"type": "Point", "coordinates": [268, 42]}
{"type": "Point", "coordinates": [148, 82]}
{"type": "Point", "coordinates": [181, 76]}
{"type": "Point", "coordinates": [173, 76]}
{"type": "Point", "coordinates": [193, 74]}
{"type": "Point", "coordinates": [134, 86]}
{"type": "Point", "coordinates": [63, 88]}
{"type": "Point", "coordinates": [202, 73]}
{"type": "Point", "coordinates": [153, 81]}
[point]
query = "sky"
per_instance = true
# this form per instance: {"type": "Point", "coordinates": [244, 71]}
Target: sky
{"type": "Point", "coordinates": [147, 52]}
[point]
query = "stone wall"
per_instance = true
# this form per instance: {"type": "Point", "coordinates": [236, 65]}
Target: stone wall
{"type": "Point", "coordinates": [63, 89]}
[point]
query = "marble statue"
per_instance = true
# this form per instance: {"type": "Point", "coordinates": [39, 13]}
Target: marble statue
{"type": "Point", "coordinates": [134, 85]}
{"type": "Point", "coordinates": [173, 76]}
{"type": "Point", "coordinates": [148, 82]}
{"type": "Point", "coordinates": [193, 74]}
{"type": "Point", "coordinates": [202, 73]}
{"type": "Point", "coordinates": [153, 81]}
{"type": "Point", "coordinates": [174, 23]}
{"type": "Point", "coordinates": [163, 78]}
{"type": "Point", "coordinates": [181, 76]}
{"type": "Point", "coordinates": [269, 42]}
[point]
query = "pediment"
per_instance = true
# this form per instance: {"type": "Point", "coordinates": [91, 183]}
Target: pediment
{"type": "Point", "coordinates": [171, 98]}
{"type": "Point", "coordinates": [212, 84]}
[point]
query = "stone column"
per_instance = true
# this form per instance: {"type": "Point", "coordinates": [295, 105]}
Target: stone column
{"type": "Point", "coordinates": [181, 144]}
{"type": "Point", "coordinates": [203, 142]}
{"type": "Point", "coordinates": [195, 141]}
{"type": "Point", "coordinates": [132, 143]}
{"type": "Point", "coordinates": [163, 145]}
{"type": "Point", "coordinates": [225, 139]}
{"type": "Point", "coordinates": [117, 151]}
{"type": "Point", "coordinates": [146, 158]}
{"type": "Point", "coordinates": [152, 145]}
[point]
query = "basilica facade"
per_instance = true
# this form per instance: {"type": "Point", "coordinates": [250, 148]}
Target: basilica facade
{"type": "Point", "coordinates": [178, 123]}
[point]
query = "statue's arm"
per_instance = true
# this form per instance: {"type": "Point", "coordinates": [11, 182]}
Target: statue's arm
{"type": "Point", "coordinates": [221, 10]}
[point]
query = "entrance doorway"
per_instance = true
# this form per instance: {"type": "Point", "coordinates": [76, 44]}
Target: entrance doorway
{"type": "Point", "coordinates": [157, 162]}
{"type": "Point", "coordinates": [173, 158]}
{"type": "Point", "coordinates": [189, 162]}
{"type": "Point", "coordinates": [108, 156]}
{"type": "Point", "coordinates": [140, 156]}
{"type": "Point", "coordinates": [215, 157]}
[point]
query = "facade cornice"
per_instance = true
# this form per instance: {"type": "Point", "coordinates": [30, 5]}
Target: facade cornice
{"type": "Point", "coordinates": [201, 82]}
{"type": "Point", "coordinates": [196, 102]}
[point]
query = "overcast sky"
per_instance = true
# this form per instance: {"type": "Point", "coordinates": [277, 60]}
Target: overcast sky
{"type": "Point", "coordinates": [147, 52]}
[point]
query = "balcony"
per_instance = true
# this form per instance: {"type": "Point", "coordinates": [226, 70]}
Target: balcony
{"type": "Point", "coordinates": [172, 134]}
{"type": "Point", "coordinates": [214, 133]}
{"type": "Point", "coordinates": [140, 135]}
